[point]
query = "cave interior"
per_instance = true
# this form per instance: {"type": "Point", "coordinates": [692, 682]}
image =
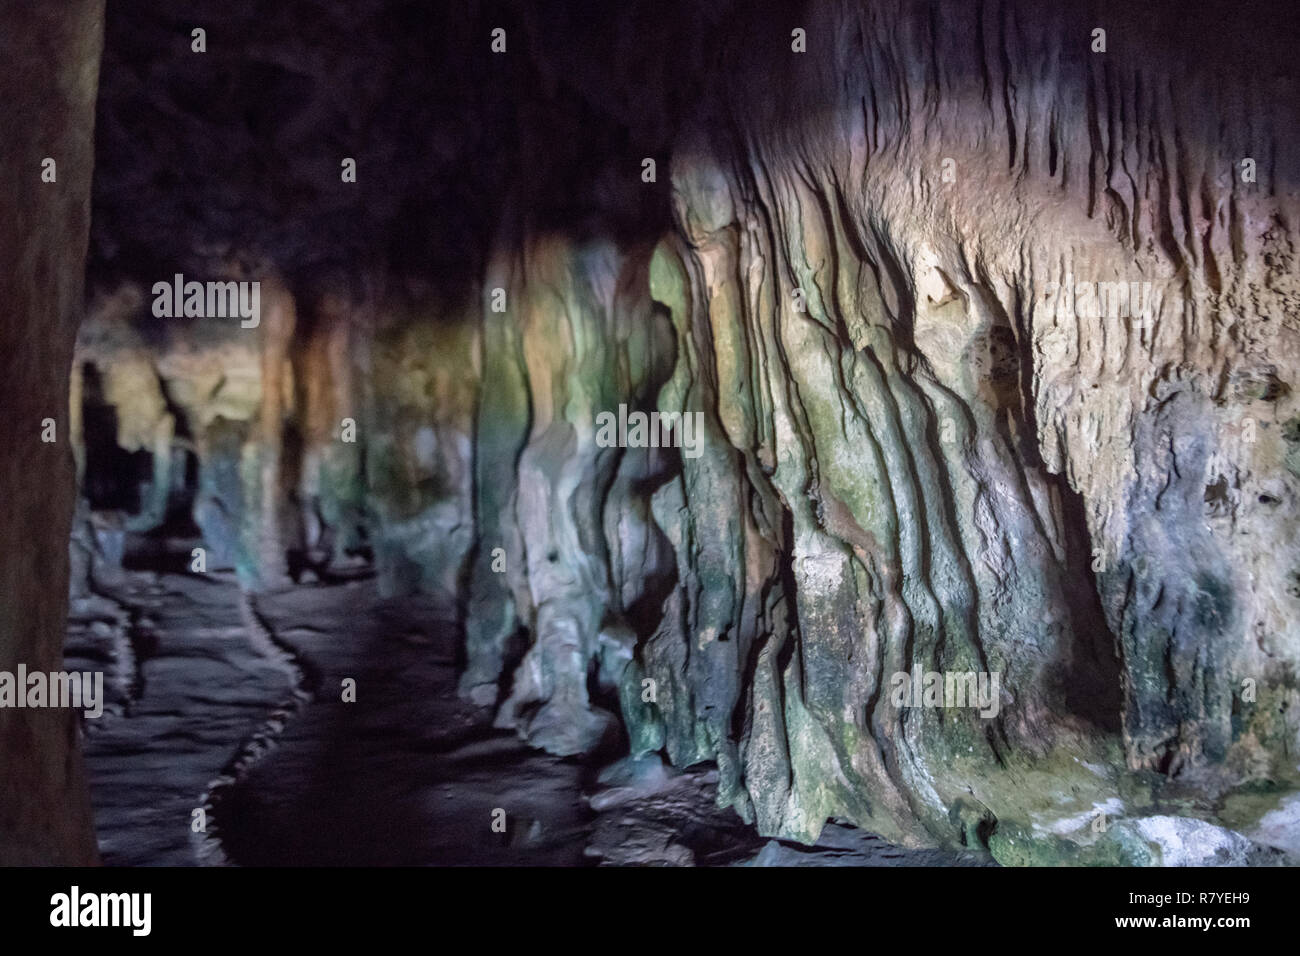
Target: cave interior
{"type": "Point", "coordinates": [490, 432]}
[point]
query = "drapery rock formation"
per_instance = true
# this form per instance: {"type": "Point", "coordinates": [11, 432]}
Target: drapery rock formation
{"type": "Point", "coordinates": [992, 347]}
{"type": "Point", "coordinates": [977, 333]}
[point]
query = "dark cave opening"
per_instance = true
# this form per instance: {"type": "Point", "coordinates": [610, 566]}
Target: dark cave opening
{"type": "Point", "coordinates": [113, 474]}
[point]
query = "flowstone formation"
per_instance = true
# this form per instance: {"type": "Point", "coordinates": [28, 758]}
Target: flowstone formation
{"type": "Point", "coordinates": [329, 429]}
{"type": "Point", "coordinates": [985, 320]}
{"type": "Point", "coordinates": [995, 348]}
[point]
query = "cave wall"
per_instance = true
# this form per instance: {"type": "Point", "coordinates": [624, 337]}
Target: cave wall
{"type": "Point", "coordinates": [421, 385]}
{"type": "Point", "coordinates": [918, 458]}
{"type": "Point", "coordinates": [51, 56]}
{"type": "Point", "coordinates": [853, 264]}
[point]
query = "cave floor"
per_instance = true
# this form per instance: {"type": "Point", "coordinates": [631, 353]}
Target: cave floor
{"type": "Point", "coordinates": [408, 773]}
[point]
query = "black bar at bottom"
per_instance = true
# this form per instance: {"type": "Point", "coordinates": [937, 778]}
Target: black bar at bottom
{"type": "Point", "coordinates": [265, 907]}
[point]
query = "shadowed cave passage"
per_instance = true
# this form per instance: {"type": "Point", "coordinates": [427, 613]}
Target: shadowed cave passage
{"type": "Point", "coordinates": [947, 572]}
{"type": "Point", "coordinates": [405, 776]}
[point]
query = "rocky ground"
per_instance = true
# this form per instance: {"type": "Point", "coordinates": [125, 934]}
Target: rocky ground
{"type": "Point", "coordinates": [244, 717]}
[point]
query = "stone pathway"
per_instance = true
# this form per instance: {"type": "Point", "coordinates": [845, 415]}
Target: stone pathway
{"type": "Point", "coordinates": [185, 686]}
{"type": "Point", "coordinates": [239, 708]}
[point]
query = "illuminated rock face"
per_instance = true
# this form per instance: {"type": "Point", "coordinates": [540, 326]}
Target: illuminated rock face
{"type": "Point", "coordinates": [996, 363]}
{"type": "Point", "coordinates": [48, 90]}
{"type": "Point", "coordinates": [991, 337]}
